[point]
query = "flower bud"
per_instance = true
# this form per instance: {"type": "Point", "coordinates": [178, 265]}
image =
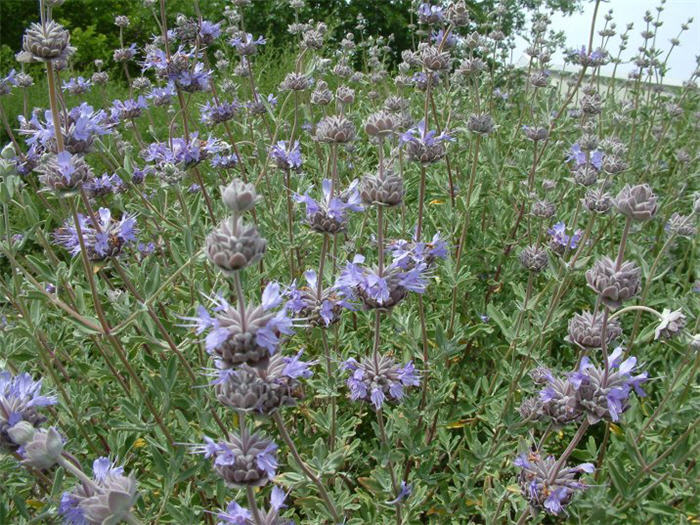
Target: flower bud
{"type": "Point", "coordinates": [234, 245]}
{"type": "Point", "coordinates": [636, 202]}
{"type": "Point", "coordinates": [239, 196]}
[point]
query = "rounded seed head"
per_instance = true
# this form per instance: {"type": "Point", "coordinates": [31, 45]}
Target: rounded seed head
{"type": "Point", "coordinates": [586, 330]}
{"type": "Point", "coordinates": [239, 196]}
{"type": "Point", "coordinates": [435, 60]}
{"type": "Point", "coordinates": [636, 202]}
{"type": "Point", "coordinates": [381, 124]}
{"type": "Point", "coordinates": [245, 459]}
{"type": "Point", "coordinates": [261, 390]}
{"type": "Point", "coordinates": [543, 209]}
{"type": "Point", "coordinates": [335, 129]}
{"type": "Point", "coordinates": [614, 286]}
{"type": "Point", "coordinates": [534, 258]}
{"type": "Point", "coordinates": [232, 247]}
{"type": "Point", "coordinates": [482, 123]}
{"type": "Point", "coordinates": [385, 189]}
{"type": "Point", "coordinates": [45, 42]}
{"type": "Point", "coordinates": [681, 225]}
{"type": "Point", "coordinates": [585, 175]}
{"type": "Point", "coordinates": [598, 201]}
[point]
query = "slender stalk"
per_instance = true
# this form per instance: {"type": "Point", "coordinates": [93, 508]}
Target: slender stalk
{"type": "Point", "coordinates": [253, 506]}
{"type": "Point", "coordinates": [304, 467]}
{"type": "Point", "coordinates": [54, 106]}
{"type": "Point", "coordinates": [390, 464]}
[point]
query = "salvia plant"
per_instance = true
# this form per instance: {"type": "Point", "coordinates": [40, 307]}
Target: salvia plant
{"type": "Point", "coordinates": [345, 282]}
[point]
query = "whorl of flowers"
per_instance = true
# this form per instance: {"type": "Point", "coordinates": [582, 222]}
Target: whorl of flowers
{"type": "Point", "coordinates": [245, 44]}
{"type": "Point", "coordinates": [329, 215]}
{"type": "Point", "coordinates": [598, 201]}
{"type": "Point", "coordinates": [181, 152]}
{"type": "Point", "coordinates": [128, 109]}
{"type": "Point", "coordinates": [364, 283]}
{"type": "Point", "coordinates": [560, 241]}
{"type": "Point", "coordinates": [108, 500]}
{"type": "Point", "coordinates": [378, 381]}
{"type": "Point", "coordinates": [424, 146]}
{"type": "Point", "coordinates": [237, 515]}
{"type": "Point", "coordinates": [381, 124]}
{"type": "Point", "coordinates": [604, 397]}
{"type": "Point", "coordinates": [313, 308]}
{"type": "Point", "coordinates": [124, 54]}
{"type": "Point", "coordinates": [162, 96]}
{"type": "Point", "coordinates": [178, 69]}
{"type": "Point", "coordinates": [251, 336]}
{"type": "Point", "coordinates": [287, 156]}
{"type": "Point", "coordinates": [481, 123]}
{"type": "Point", "coordinates": [20, 400]}
{"type": "Point", "coordinates": [64, 172]}
{"type": "Point", "coordinates": [45, 42]}
{"type": "Point", "coordinates": [39, 448]}
{"type": "Point", "coordinates": [613, 285]}
{"type": "Point", "coordinates": [212, 113]}
{"type": "Point", "coordinates": [82, 125]}
{"type": "Point", "coordinates": [8, 82]}
{"type": "Point", "coordinates": [545, 484]}
{"type": "Point", "coordinates": [103, 238]}
{"type": "Point", "coordinates": [681, 225]}
{"type": "Point", "coordinates": [77, 86]}
{"type": "Point", "coordinates": [264, 389]}
{"type": "Point", "coordinates": [430, 14]}
{"type": "Point", "coordinates": [409, 254]}
{"type": "Point", "coordinates": [245, 459]}
{"type": "Point", "coordinates": [579, 157]}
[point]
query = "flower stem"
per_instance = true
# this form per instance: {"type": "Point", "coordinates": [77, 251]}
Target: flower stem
{"type": "Point", "coordinates": [304, 467]}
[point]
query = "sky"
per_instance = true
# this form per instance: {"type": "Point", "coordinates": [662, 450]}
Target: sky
{"type": "Point", "coordinates": [676, 12]}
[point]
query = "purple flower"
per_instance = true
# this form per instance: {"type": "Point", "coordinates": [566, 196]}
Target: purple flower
{"type": "Point", "coordinates": [235, 515]}
{"type": "Point", "coordinates": [545, 484]}
{"type": "Point", "coordinates": [20, 398]}
{"type": "Point", "coordinates": [364, 283]}
{"type": "Point", "coordinates": [561, 239]}
{"type": "Point", "coordinates": [245, 44]}
{"type": "Point", "coordinates": [404, 493]}
{"type": "Point", "coordinates": [286, 157]}
{"type": "Point", "coordinates": [375, 381]}
{"type": "Point", "coordinates": [424, 145]}
{"type": "Point", "coordinates": [407, 254]}
{"type": "Point", "coordinates": [128, 109]}
{"type": "Point", "coordinates": [111, 490]}
{"type": "Point", "coordinates": [77, 86]}
{"type": "Point", "coordinates": [233, 340]}
{"type": "Point", "coordinates": [104, 238]}
{"type": "Point", "coordinates": [577, 155]}
{"type": "Point", "coordinates": [209, 31]}
{"type": "Point", "coordinates": [8, 82]}
{"type": "Point", "coordinates": [329, 214]}
{"type": "Point", "coordinates": [306, 303]}
{"type": "Point", "coordinates": [181, 152]}
{"type": "Point", "coordinates": [162, 96]}
{"type": "Point", "coordinates": [225, 161]}
{"type": "Point", "coordinates": [104, 185]}
{"type": "Point", "coordinates": [217, 113]}
{"type": "Point", "coordinates": [430, 14]}
{"type": "Point", "coordinates": [79, 129]}
{"type": "Point", "coordinates": [124, 54]}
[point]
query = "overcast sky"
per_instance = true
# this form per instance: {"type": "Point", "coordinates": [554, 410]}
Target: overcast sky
{"type": "Point", "coordinates": [676, 12]}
